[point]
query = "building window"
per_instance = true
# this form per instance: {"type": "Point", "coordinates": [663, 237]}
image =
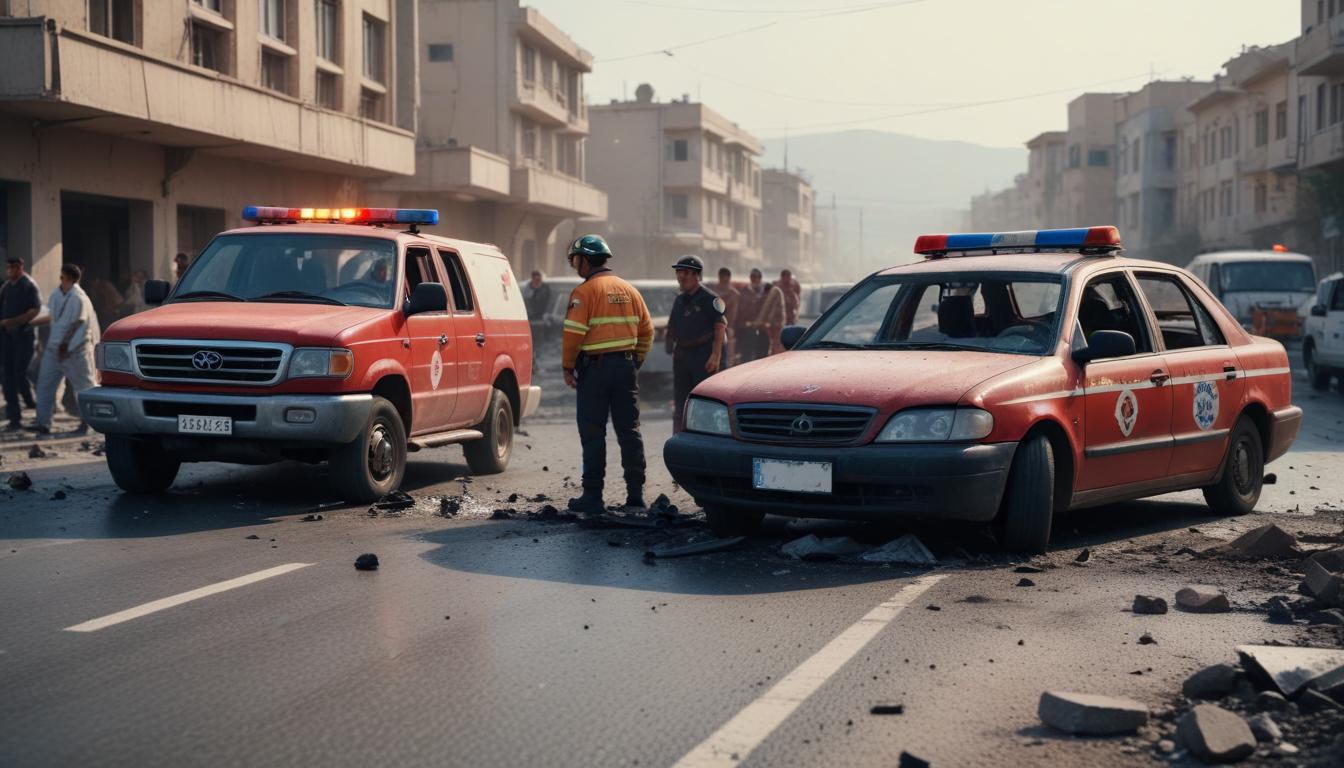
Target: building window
{"type": "Point", "coordinates": [1261, 198]}
{"type": "Point", "coordinates": [114, 19]}
{"type": "Point", "coordinates": [371, 105]}
{"type": "Point", "coordinates": [1138, 155]}
{"type": "Point", "coordinates": [207, 47]}
{"type": "Point", "coordinates": [1281, 120]}
{"type": "Point", "coordinates": [328, 90]}
{"type": "Point", "coordinates": [678, 150]}
{"type": "Point", "coordinates": [529, 63]}
{"type": "Point", "coordinates": [1074, 155]}
{"type": "Point", "coordinates": [213, 5]}
{"type": "Point", "coordinates": [273, 18]}
{"type": "Point", "coordinates": [375, 52]}
{"type": "Point", "coordinates": [440, 52]}
{"type": "Point", "coordinates": [1320, 107]}
{"type": "Point", "coordinates": [1225, 199]}
{"type": "Point", "coordinates": [679, 207]}
{"type": "Point", "coordinates": [274, 70]}
{"type": "Point", "coordinates": [328, 30]}
{"type": "Point", "coordinates": [1262, 128]}
{"type": "Point", "coordinates": [1336, 103]}
{"type": "Point", "coordinates": [1169, 151]}
{"type": "Point", "coordinates": [1098, 158]}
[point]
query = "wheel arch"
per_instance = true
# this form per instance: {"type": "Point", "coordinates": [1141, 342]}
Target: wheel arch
{"type": "Point", "coordinates": [395, 389]}
{"type": "Point", "coordinates": [1066, 465]}
{"type": "Point", "coordinates": [506, 381]}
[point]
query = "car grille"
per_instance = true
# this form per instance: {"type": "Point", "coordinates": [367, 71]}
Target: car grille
{"type": "Point", "coordinates": [802, 424]}
{"type": "Point", "coordinates": [243, 363]}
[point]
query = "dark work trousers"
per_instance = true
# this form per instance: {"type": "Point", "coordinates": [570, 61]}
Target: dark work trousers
{"type": "Point", "coordinates": [609, 384]}
{"type": "Point", "coordinates": [688, 370]}
{"type": "Point", "coordinates": [16, 353]}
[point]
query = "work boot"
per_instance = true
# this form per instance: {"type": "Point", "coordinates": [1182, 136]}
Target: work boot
{"type": "Point", "coordinates": [590, 503]}
{"type": "Point", "coordinates": [634, 498]}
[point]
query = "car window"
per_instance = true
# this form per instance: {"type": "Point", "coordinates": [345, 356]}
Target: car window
{"type": "Point", "coordinates": [1215, 281]}
{"type": "Point", "coordinates": [420, 268]}
{"type": "Point", "coordinates": [1108, 304]}
{"type": "Point", "coordinates": [1337, 301]}
{"type": "Point", "coordinates": [1268, 275]}
{"type": "Point", "coordinates": [1182, 320]}
{"type": "Point", "coordinates": [457, 282]}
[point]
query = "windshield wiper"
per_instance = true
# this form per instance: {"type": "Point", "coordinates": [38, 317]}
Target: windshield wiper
{"type": "Point", "coordinates": [832, 344]}
{"type": "Point", "coordinates": [299, 295]}
{"type": "Point", "coordinates": [207, 295]}
{"type": "Point", "coordinates": [936, 345]}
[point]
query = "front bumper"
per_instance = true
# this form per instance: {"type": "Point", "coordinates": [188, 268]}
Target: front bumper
{"type": "Point", "coordinates": [951, 481]}
{"type": "Point", "coordinates": [337, 419]}
{"type": "Point", "coordinates": [531, 399]}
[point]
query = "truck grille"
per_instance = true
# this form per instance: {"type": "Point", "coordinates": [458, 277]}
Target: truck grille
{"type": "Point", "coordinates": [802, 424]}
{"type": "Point", "coordinates": [211, 362]}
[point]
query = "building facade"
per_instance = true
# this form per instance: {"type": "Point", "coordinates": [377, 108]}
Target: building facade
{"type": "Point", "coordinates": [1089, 175]}
{"type": "Point", "coordinates": [131, 130]}
{"type": "Point", "coordinates": [1046, 207]}
{"type": "Point", "coordinates": [1006, 210]}
{"type": "Point", "coordinates": [681, 179]}
{"type": "Point", "coordinates": [1318, 108]}
{"type": "Point", "coordinates": [788, 222]}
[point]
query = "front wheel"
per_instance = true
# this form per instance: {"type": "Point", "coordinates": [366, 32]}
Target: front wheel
{"type": "Point", "coordinates": [373, 464]}
{"type": "Point", "coordinates": [732, 521]}
{"type": "Point", "coordinates": [1029, 504]}
{"type": "Point", "coordinates": [490, 455]}
{"type": "Point", "coordinates": [140, 466]}
{"type": "Point", "coordinates": [1318, 377]}
{"type": "Point", "coordinates": [1243, 473]}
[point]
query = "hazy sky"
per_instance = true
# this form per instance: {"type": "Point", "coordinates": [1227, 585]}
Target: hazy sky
{"type": "Point", "coordinates": [822, 65]}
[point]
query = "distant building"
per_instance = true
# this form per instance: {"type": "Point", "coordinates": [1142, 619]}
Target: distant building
{"type": "Point", "coordinates": [502, 148]}
{"type": "Point", "coordinates": [788, 222]}
{"type": "Point", "coordinates": [681, 179]}
{"type": "Point", "coordinates": [1006, 210]}
{"type": "Point", "coordinates": [1317, 106]}
{"type": "Point", "coordinates": [1089, 175]}
{"type": "Point", "coordinates": [130, 131]}
{"type": "Point", "coordinates": [1046, 207]}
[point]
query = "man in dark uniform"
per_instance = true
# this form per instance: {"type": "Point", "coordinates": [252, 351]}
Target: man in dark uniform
{"type": "Point", "coordinates": [20, 302]}
{"type": "Point", "coordinates": [695, 332]}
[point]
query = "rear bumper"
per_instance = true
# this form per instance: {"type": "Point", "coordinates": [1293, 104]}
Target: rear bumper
{"type": "Point", "coordinates": [1283, 428]}
{"type": "Point", "coordinates": [869, 482]}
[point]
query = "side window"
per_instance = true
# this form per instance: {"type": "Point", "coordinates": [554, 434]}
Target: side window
{"type": "Point", "coordinates": [1337, 301]}
{"type": "Point", "coordinates": [1109, 304]}
{"type": "Point", "coordinates": [419, 268]}
{"type": "Point", "coordinates": [457, 282]}
{"type": "Point", "coordinates": [1183, 321]}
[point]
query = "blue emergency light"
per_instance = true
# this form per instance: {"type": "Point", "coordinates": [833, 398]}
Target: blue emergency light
{"type": "Point", "coordinates": [273, 214]}
{"type": "Point", "coordinates": [1101, 239]}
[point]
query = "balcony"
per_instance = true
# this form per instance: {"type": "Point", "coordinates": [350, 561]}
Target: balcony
{"type": "Point", "coordinates": [556, 194]}
{"type": "Point", "coordinates": [1320, 52]}
{"type": "Point", "coordinates": [109, 87]}
{"type": "Point", "coordinates": [537, 29]}
{"type": "Point", "coordinates": [1322, 148]}
{"type": "Point", "coordinates": [690, 174]}
{"type": "Point", "coordinates": [467, 172]}
{"type": "Point", "coordinates": [548, 106]}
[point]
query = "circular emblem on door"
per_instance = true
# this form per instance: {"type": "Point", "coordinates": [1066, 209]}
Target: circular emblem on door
{"type": "Point", "coordinates": [1206, 404]}
{"type": "Point", "coordinates": [435, 370]}
{"type": "Point", "coordinates": [801, 425]}
{"type": "Point", "coordinates": [207, 360]}
{"type": "Point", "coordinates": [1126, 412]}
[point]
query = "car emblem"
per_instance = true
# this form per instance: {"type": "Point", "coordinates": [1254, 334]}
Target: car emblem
{"type": "Point", "coordinates": [801, 425]}
{"type": "Point", "coordinates": [207, 360]}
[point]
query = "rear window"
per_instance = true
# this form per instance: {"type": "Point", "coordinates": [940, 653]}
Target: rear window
{"type": "Point", "coordinates": [1268, 276]}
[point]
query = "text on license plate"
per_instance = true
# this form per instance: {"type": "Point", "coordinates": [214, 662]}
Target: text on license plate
{"type": "Point", "coordinates": [205, 425]}
{"type": "Point", "coordinates": [797, 476]}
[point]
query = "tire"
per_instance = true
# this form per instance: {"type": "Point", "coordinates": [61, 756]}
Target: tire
{"type": "Point", "coordinates": [374, 463]}
{"type": "Point", "coordinates": [1318, 376]}
{"type": "Point", "coordinates": [1029, 503]}
{"type": "Point", "coordinates": [490, 455]}
{"type": "Point", "coordinates": [140, 466]}
{"type": "Point", "coordinates": [1238, 490]}
{"type": "Point", "coordinates": [732, 521]}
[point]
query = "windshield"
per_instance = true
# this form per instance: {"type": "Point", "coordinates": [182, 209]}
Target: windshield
{"type": "Point", "coordinates": [659, 300]}
{"type": "Point", "coordinates": [1268, 276]}
{"type": "Point", "coordinates": [997, 313]}
{"type": "Point", "coordinates": [306, 268]}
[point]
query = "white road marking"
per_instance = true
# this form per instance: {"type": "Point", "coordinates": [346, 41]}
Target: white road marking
{"type": "Point", "coordinates": [93, 625]}
{"type": "Point", "coordinates": [731, 744]}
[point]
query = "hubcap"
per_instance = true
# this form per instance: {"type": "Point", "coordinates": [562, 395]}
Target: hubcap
{"type": "Point", "coordinates": [1241, 468]}
{"type": "Point", "coordinates": [380, 453]}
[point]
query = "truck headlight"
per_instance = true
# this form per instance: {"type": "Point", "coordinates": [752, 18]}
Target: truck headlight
{"type": "Point", "coordinates": [114, 356]}
{"type": "Point", "coordinates": [707, 416]}
{"type": "Point", "coordinates": [319, 362]}
{"type": "Point", "coordinates": [931, 425]}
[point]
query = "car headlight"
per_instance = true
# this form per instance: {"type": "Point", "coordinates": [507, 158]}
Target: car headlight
{"type": "Point", "coordinates": [311, 363]}
{"type": "Point", "coordinates": [114, 356]}
{"type": "Point", "coordinates": [928, 425]}
{"type": "Point", "coordinates": [707, 416]}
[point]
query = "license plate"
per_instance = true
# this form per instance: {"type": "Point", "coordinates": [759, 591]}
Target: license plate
{"type": "Point", "coordinates": [205, 425]}
{"type": "Point", "coordinates": [797, 476]}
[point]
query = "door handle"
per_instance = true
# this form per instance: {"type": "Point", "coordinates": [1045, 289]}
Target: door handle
{"type": "Point", "coordinates": [1231, 371]}
{"type": "Point", "coordinates": [443, 339]}
{"type": "Point", "coordinates": [1159, 377]}
{"type": "Point", "coordinates": [480, 339]}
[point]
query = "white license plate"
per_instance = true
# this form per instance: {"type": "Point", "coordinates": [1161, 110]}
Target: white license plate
{"type": "Point", "coordinates": [205, 425]}
{"type": "Point", "coordinates": [797, 476]}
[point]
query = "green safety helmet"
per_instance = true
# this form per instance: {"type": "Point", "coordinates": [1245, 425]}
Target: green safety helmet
{"type": "Point", "coordinates": [590, 245]}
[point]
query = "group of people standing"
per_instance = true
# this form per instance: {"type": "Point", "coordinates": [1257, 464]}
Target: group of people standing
{"type": "Point", "coordinates": [756, 313]}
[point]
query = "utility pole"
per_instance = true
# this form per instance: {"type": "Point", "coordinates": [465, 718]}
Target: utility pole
{"type": "Point", "coordinates": [863, 260]}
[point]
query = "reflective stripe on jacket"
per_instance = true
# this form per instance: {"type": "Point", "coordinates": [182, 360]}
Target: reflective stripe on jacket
{"type": "Point", "coordinates": [606, 314]}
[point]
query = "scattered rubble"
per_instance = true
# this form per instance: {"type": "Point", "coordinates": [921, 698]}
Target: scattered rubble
{"type": "Point", "coordinates": [20, 481]}
{"type": "Point", "coordinates": [35, 452]}
{"type": "Point", "coordinates": [908, 760]}
{"type": "Point", "coordinates": [1264, 728]}
{"type": "Point", "coordinates": [310, 518]}
{"type": "Point", "coordinates": [812, 548]}
{"type": "Point", "coordinates": [907, 550]}
{"type": "Point", "coordinates": [887, 709]}
{"type": "Point", "coordinates": [1320, 583]}
{"type": "Point", "coordinates": [696, 548]}
{"type": "Point", "coordinates": [1211, 683]}
{"type": "Point", "coordinates": [252, 536]}
{"type": "Point", "coordinates": [1091, 714]}
{"type": "Point", "coordinates": [449, 506]}
{"type": "Point", "coordinates": [1083, 556]}
{"type": "Point", "coordinates": [57, 496]}
{"type": "Point", "coordinates": [366, 562]}
{"type": "Point", "coordinates": [396, 501]}
{"type": "Point", "coordinates": [1215, 735]}
{"type": "Point", "coordinates": [1280, 611]}
{"type": "Point", "coordinates": [1267, 541]}
{"type": "Point", "coordinates": [502, 514]}
{"type": "Point", "coordinates": [1025, 582]}
{"type": "Point", "coordinates": [1149, 605]}
{"type": "Point", "coordinates": [1147, 639]}
{"type": "Point", "coordinates": [1291, 669]}
{"type": "Point", "coordinates": [1200, 598]}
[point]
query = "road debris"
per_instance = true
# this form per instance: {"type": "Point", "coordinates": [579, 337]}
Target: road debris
{"type": "Point", "coordinates": [1086, 714]}
{"type": "Point", "coordinates": [310, 518]}
{"type": "Point", "coordinates": [907, 550]}
{"type": "Point", "coordinates": [252, 536]}
{"type": "Point", "coordinates": [1264, 728]}
{"type": "Point", "coordinates": [1028, 569]}
{"type": "Point", "coordinates": [57, 496]}
{"type": "Point", "coordinates": [35, 452]}
{"type": "Point", "coordinates": [814, 549]}
{"type": "Point", "coordinates": [1326, 587]}
{"type": "Point", "coordinates": [449, 506]}
{"type": "Point", "coordinates": [1083, 556]}
{"type": "Point", "coordinates": [1147, 639]}
{"type": "Point", "coordinates": [696, 548]}
{"type": "Point", "coordinates": [908, 760]}
{"type": "Point", "coordinates": [502, 514]}
{"type": "Point", "coordinates": [887, 709]}
{"type": "Point", "coordinates": [366, 562]}
{"type": "Point", "coordinates": [1259, 543]}
{"type": "Point", "coordinates": [1201, 598]}
{"type": "Point", "coordinates": [1280, 611]}
{"type": "Point", "coordinates": [1291, 669]}
{"type": "Point", "coordinates": [395, 501]}
{"type": "Point", "coordinates": [1149, 605]}
{"type": "Point", "coordinates": [1025, 582]}
{"type": "Point", "coordinates": [1215, 735]}
{"type": "Point", "coordinates": [1212, 682]}
{"type": "Point", "coordinates": [20, 481]}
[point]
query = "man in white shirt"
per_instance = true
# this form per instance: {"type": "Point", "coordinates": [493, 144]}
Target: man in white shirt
{"type": "Point", "coordinates": [69, 351]}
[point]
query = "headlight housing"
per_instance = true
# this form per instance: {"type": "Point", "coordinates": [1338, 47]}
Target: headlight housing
{"type": "Point", "coordinates": [320, 362]}
{"type": "Point", "coordinates": [935, 425]}
{"type": "Point", "coordinates": [708, 416]}
{"type": "Point", "coordinates": [114, 356]}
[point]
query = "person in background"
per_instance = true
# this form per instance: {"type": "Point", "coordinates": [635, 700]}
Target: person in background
{"type": "Point", "coordinates": [695, 332]}
{"type": "Point", "coordinates": [745, 333]}
{"type": "Point", "coordinates": [69, 352]}
{"type": "Point", "coordinates": [730, 296]}
{"type": "Point", "coordinates": [793, 296]}
{"type": "Point", "coordinates": [537, 295]}
{"type": "Point", "coordinates": [20, 303]}
{"type": "Point", "coordinates": [180, 263]}
{"type": "Point", "coordinates": [133, 300]}
{"type": "Point", "coordinates": [105, 297]}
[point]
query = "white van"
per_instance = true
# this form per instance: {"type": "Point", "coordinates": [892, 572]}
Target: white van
{"type": "Point", "coordinates": [1276, 282]}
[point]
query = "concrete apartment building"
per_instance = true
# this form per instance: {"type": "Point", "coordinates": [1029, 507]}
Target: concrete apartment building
{"type": "Point", "coordinates": [1089, 176]}
{"type": "Point", "coordinates": [681, 179]}
{"type": "Point", "coordinates": [1147, 167]}
{"type": "Point", "coordinates": [1318, 108]}
{"type": "Point", "coordinates": [1004, 210]}
{"type": "Point", "coordinates": [134, 129]}
{"type": "Point", "coordinates": [788, 222]}
{"type": "Point", "coordinates": [1046, 207]}
{"type": "Point", "coordinates": [502, 144]}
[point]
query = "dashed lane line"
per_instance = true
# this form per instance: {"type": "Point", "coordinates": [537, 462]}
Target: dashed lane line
{"type": "Point", "coordinates": [731, 744]}
{"type": "Point", "coordinates": [93, 625]}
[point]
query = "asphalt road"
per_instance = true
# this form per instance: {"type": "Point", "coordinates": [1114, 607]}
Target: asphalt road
{"type": "Point", "coordinates": [523, 642]}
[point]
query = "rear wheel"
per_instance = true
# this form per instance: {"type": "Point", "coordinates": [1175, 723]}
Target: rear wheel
{"type": "Point", "coordinates": [1029, 505]}
{"type": "Point", "coordinates": [1318, 376]}
{"type": "Point", "coordinates": [1237, 492]}
{"type": "Point", "coordinates": [140, 466]}
{"type": "Point", "coordinates": [490, 455]}
{"type": "Point", "coordinates": [374, 463]}
{"type": "Point", "coordinates": [732, 521]}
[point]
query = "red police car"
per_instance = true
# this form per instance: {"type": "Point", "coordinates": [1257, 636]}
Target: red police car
{"type": "Point", "coordinates": [1006, 377]}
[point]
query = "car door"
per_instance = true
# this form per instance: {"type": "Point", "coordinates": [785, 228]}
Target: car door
{"type": "Point", "coordinates": [473, 378]}
{"type": "Point", "coordinates": [1332, 337]}
{"type": "Point", "coordinates": [1127, 400]}
{"type": "Point", "coordinates": [1206, 388]}
{"type": "Point", "coordinates": [434, 372]}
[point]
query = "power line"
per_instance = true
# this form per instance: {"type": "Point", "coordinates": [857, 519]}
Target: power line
{"type": "Point", "coordinates": [772, 11]}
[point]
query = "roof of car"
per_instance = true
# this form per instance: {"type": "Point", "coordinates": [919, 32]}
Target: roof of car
{"type": "Point", "coordinates": [1249, 256]}
{"type": "Point", "coordinates": [361, 230]}
{"type": "Point", "coordinates": [1060, 262]}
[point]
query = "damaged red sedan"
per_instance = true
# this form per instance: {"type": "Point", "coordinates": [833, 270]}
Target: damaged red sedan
{"type": "Point", "coordinates": [1005, 378]}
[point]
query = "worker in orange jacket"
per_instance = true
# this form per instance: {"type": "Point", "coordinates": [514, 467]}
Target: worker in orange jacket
{"type": "Point", "coordinates": [608, 333]}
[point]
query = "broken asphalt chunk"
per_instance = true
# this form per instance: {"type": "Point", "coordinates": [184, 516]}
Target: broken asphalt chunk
{"type": "Point", "coordinates": [1291, 669]}
{"type": "Point", "coordinates": [1149, 605]}
{"type": "Point", "coordinates": [1083, 556]}
{"type": "Point", "coordinates": [313, 518]}
{"type": "Point", "coordinates": [1215, 735]}
{"type": "Point", "coordinates": [1028, 569]}
{"type": "Point", "coordinates": [1201, 598]}
{"type": "Point", "coordinates": [887, 709]}
{"type": "Point", "coordinates": [1330, 559]}
{"type": "Point", "coordinates": [908, 760]}
{"type": "Point", "coordinates": [907, 550]}
{"type": "Point", "coordinates": [1280, 612]}
{"type": "Point", "coordinates": [1213, 682]}
{"type": "Point", "coordinates": [1326, 587]}
{"type": "Point", "coordinates": [395, 501]}
{"type": "Point", "coordinates": [449, 505]}
{"type": "Point", "coordinates": [1264, 728]}
{"type": "Point", "coordinates": [501, 514]}
{"type": "Point", "coordinates": [58, 496]}
{"type": "Point", "coordinates": [696, 548]}
{"type": "Point", "coordinates": [1089, 714]}
{"type": "Point", "coordinates": [1258, 543]}
{"type": "Point", "coordinates": [20, 481]}
{"type": "Point", "coordinates": [366, 562]}
{"type": "Point", "coordinates": [812, 548]}
{"type": "Point", "coordinates": [1025, 582]}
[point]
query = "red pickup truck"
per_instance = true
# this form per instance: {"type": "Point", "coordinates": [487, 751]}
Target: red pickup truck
{"type": "Point", "coordinates": [339, 335]}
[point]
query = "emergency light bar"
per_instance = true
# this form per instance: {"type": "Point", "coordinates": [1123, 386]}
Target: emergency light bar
{"type": "Point", "coordinates": [1102, 239]}
{"type": "Point", "coordinates": [272, 214]}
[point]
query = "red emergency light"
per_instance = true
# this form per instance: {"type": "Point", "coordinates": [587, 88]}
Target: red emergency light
{"type": "Point", "coordinates": [275, 214]}
{"type": "Point", "coordinates": [1101, 238]}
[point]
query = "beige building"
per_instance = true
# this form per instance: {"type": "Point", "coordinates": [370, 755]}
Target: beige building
{"type": "Point", "coordinates": [682, 179]}
{"type": "Point", "coordinates": [1089, 174]}
{"type": "Point", "coordinates": [501, 150]}
{"type": "Point", "coordinates": [1318, 111]}
{"type": "Point", "coordinates": [1007, 210]}
{"type": "Point", "coordinates": [134, 129]}
{"type": "Point", "coordinates": [788, 222]}
{"type": "Point", "coordinates": [1045, 181]}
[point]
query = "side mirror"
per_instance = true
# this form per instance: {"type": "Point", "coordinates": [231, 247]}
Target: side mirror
{"type": "Point", "coordinates": [789, 336]}
{"type": "Point", "coordinates": [156, 291]}
{"type": "Point", "coordinates": [427, 297]}
{"type": "Point", "coordinates": [1318, 310]}
{"type": "Point", "coordinates": [1104, 344]}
